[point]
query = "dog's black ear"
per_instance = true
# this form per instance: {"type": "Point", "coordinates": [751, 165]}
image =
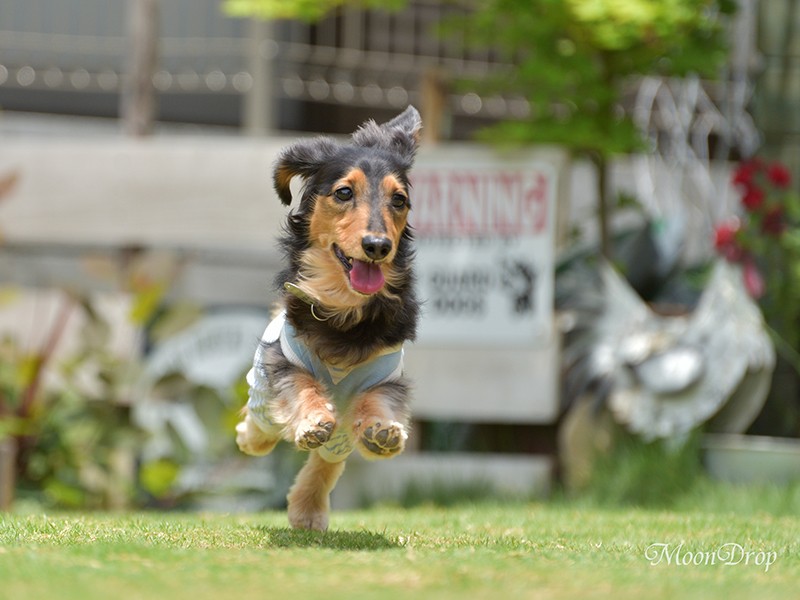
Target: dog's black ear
{"type": "Point", "coordinates": [400, 135]}
{"type": "Point", "coordinates": [303, 159]}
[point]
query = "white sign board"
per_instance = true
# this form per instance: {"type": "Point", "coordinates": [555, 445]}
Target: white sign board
{"type": "Point", "coordinates": [214, 351]}
{"type": "Point", "coordinates": [485, 243]}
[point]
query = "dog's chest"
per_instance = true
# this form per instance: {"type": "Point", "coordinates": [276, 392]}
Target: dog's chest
{"type": "Point", "coordinates": [342, 383]}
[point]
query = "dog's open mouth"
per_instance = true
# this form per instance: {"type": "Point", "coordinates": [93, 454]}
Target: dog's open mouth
{"type": "Point", "coordinates": [365, 277]}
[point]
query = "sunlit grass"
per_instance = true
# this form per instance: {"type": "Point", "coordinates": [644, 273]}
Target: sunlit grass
{"type": "Point", "coordinates": [530, 550]}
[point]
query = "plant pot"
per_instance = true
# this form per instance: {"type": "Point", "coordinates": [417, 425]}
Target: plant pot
{"type": "Point", "coordinates": [759, 459]}
{"type": "Point", "coordinates": [8, 459]}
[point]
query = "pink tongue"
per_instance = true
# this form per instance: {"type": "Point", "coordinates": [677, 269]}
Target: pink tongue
{"type": "Point", "coordinates": [365, 277]}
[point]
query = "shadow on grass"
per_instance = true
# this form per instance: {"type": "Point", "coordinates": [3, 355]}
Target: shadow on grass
{"type": "Point", "coordinates": [284, 537]}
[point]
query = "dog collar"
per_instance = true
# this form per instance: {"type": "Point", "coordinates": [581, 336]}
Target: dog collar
{"type": "Point", "coordinates": [295, 291]}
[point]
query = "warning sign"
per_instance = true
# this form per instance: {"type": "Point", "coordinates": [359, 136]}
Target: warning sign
{"type": "Point", "coordinates": [485, 251]}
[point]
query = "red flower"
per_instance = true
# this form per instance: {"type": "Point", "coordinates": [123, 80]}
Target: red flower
{"type": "Point", "coordinates": [725, 233]}
{"type": "Point", "coordinates": [744, 173]}
{"type": "Point", "coordinates": [753, 281]}
{"type": "Point", "coordinates": [725, 240]}
{"type": "Point", "coordinates": [774, 223]}
{"type": "Point", "coordinates": [779, 175]}
{"type": "Point", "coordinates": [753, 198]}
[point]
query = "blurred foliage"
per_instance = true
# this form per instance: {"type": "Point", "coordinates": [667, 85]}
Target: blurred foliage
{"type": "Point", "coordinates": [306, 10]}
{"type": "Point", "coordinates": [69, 411]}
{"type": "Point", "coordinates": [763, 239]}
{"type": "Point", "coordinates": [75, 444]}
{"type": "Point", "coordinates": [652, 474]}
{"type": "Point", "coordinates": [438, 492]}
{"type": "Point", "coordinates": [574, 60]}
{"type": "Point", "coordinates": [73, 436]}
{"type": "Point", "coordinates": [164, 478]}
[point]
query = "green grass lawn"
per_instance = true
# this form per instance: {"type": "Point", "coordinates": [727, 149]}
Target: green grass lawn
{"type": "Point", "coordinates": [523, 550]}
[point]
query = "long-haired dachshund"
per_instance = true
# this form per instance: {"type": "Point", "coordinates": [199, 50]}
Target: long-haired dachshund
{"type": "Point", "coordinates": [328, 374]}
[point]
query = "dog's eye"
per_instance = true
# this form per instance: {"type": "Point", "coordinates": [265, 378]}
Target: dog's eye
{"type": "Point", "coordinates": [343, 194]}
{"type": "Point", "coordinates": [399, 200]}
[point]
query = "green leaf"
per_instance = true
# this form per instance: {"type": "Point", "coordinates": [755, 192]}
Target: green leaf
{"type": "Point", "coordinates": [12, 427]}
{"type": "Point", "coordinates": [158, 477]}
{"type": "Point", "coordinates": [306, 10]}
{"type": "Point", "coordinates": [146, 302]}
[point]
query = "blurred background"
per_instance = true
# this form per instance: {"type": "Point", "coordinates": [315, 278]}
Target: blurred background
{"type": "Point", "coordinates": [137, 227]}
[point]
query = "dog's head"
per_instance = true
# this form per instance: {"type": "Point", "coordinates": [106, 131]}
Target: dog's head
{"type": "Point", "coordinates": [353, 210]}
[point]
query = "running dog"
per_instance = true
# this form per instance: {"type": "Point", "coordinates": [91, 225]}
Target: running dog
{"type": "Point", "coordinates": [328, 373]}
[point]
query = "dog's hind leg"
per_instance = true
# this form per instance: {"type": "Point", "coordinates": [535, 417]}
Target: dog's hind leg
{"type": "Point", "coordinates": [309, 498]}
{"type": "Point", "coordinates": [380, 418]}
{"type": "Point", "coordinates": [253, 440]}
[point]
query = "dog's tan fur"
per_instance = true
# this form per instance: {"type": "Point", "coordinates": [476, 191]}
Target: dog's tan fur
{"type": "Point", "coordinates": [309, 498]}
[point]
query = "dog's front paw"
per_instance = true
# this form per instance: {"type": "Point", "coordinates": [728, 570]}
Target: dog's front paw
{"type": "Point", "coordinates": [381, 439]}
{"type": "Point", "coordinates": [314, 432]}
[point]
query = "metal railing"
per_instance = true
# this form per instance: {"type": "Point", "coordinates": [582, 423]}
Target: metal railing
{"type": "Point", "coordinates": [371, 59]}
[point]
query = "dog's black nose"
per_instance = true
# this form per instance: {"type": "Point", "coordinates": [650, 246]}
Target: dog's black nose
{"type": "Point", "coordinates": [376, 247]}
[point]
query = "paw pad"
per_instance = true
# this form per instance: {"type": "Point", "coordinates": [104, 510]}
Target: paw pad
{"type": "Point", "coordinates": [384, 439]}
{"type": "Point", "coordinates": [315, 435]}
